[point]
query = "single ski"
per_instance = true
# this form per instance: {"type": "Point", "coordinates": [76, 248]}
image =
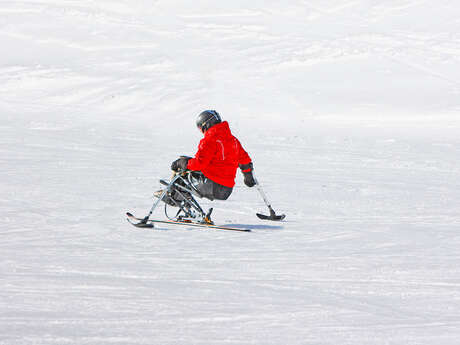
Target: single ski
{"type": "Point", "coordinates": [149, 223]}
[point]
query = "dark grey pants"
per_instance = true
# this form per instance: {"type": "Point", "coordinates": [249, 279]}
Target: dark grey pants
{"type": "Point", "coordinates": [208, 188]}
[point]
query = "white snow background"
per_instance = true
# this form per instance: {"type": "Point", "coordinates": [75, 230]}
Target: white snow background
{"type": "Point", "coordinates": [350, 111]}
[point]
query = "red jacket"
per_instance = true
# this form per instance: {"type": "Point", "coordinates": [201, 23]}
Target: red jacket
{"type": "Point", "coordinates": [219, 154]}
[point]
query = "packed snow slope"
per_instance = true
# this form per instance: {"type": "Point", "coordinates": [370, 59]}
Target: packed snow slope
{"type": "Point", "coordinates": [350, 110]}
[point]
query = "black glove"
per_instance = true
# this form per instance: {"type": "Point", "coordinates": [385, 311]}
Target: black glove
{"type": "Point", "coordinates": [249, 179]}
{"type": "Point", "coordinates": [248, 176]}
{"type": "Point", "coordinates": [180, 164]}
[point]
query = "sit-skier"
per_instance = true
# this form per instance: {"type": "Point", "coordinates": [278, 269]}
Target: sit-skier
{"type": "Point", "coordinates": [213, 169]}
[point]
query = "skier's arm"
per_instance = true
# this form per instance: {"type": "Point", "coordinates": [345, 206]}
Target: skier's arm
{"type": "Point", "coordinates": [204, 155]}
{"type": "Point", "coordinates": [245, 164]}
{"type": "Point", "coordinates": [244, 161]}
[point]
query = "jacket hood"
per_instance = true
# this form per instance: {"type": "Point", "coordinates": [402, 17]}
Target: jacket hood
{"type": "Point", "coordinates": [221, 129]}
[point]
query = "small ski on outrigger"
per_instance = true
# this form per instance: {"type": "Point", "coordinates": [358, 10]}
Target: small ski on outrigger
{"type": "Point", "coordinates": [149, 223]}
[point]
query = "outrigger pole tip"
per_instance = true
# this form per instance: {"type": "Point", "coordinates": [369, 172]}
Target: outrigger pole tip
{"type": "Point", "coordinates": [273, 215]}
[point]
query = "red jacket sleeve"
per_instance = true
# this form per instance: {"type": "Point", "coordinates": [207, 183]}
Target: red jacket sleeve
{"type": "Point", "coordinates": [205, 153]}
{"type": "Point", "coordinates": [243, 157]}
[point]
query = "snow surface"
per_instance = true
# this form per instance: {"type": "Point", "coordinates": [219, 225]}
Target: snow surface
{"type": "Point", "coordinates": [350, 110]}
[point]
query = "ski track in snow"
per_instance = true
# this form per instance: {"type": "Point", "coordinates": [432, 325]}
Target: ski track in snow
{"type": "Point", "coordinates": [350, 112]}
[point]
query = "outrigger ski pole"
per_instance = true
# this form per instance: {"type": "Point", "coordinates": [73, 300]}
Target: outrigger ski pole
{"type": "Point", "coordinates": [272, 215]}
{"type": "Point", "coordinates": [143, 223]}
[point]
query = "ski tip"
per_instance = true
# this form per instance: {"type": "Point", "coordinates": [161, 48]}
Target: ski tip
{"type": "Point", "coordinates": [140, 225]}
{"type": "Point", "coordinates": [144, 225]}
